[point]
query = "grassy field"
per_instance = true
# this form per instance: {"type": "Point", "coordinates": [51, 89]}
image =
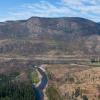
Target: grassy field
{"type": "Point", "coordinates": [53, 93]}
{"type": "Point", "coordinates": [34, 77]}
{"type": "Point", "coordinates": [68, 78]}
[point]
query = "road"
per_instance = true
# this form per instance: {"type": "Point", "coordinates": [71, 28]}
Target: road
{"type": "Point", "coordinates": [41, 85]}
{"type": "Point", "coordinates": [44, 58]}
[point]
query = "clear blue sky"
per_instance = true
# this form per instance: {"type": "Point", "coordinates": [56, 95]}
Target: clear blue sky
{"type": "Point", "coordinates": [23, 9]}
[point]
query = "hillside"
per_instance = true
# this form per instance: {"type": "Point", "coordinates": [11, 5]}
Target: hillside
{"type": "Point", "coordinates": [50, 36]}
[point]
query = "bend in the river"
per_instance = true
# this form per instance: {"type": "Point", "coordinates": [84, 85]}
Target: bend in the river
{"type": "Point", "coordinates": [41, 85]}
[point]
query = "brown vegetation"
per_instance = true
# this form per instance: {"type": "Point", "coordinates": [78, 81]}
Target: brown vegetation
{"type": "Point", "coordinates": [75, 81]}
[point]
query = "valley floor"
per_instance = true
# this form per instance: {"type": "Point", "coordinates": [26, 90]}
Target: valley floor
{"type": "Point", "coordinates": [75, 82]}
{"type": "Point", "coordinates": [71, 79]}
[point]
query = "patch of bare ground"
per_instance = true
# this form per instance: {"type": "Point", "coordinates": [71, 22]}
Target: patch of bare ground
{"type": "Point", "coordinates": [18, 69]}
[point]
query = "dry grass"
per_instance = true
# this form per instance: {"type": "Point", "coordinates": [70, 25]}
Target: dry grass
{"type": "Point", "coordinates": [12, 66]}
{"type": "Point", "coordinates": [85, 77]}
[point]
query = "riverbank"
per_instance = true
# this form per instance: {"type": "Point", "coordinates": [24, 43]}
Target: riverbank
{"type": "Point", "coordinates": [41, 85]}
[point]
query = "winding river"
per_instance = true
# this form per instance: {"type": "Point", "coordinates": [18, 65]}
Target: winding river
{"type": "Point", "coordinates": [42, 84]}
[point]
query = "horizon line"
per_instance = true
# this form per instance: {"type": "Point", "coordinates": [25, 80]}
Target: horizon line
{"type": "Point", "coordinates": [12, 20]}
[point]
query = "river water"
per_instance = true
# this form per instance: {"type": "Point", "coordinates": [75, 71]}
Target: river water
{"type": "Point", "coordinates": [39, 95]}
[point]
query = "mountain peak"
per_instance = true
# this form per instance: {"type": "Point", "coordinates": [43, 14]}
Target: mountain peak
{"type": "Point", "coordinates": [67, 33]}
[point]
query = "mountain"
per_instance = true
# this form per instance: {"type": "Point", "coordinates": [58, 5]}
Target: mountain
{"type": "Point", "coordinates": [50, 36]}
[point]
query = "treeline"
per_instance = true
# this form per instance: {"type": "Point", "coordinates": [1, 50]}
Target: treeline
{"type": "Point", "coordinates": [95, 60]}
{"type": "Point", "coordinates": [10, 90]}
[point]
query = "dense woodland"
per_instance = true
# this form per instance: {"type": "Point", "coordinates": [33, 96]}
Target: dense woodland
{"type": "Point", "coordinates": [10, 90]}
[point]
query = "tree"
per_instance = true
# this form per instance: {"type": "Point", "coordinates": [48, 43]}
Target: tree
{"type": "Point", "coordinates": [85, 97]}
{"type": "Point", "coordinates": [77, 92]}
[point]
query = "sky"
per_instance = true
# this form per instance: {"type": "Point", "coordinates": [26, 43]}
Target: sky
{"type": "Point", "coordinates": [24, 9]}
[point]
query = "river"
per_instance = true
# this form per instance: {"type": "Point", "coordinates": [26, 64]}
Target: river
{"type": "Point", "coordinates": [39, 95]}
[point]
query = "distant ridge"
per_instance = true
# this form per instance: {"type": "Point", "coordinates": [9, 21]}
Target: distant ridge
{"type": "Point", "coordinates": [70, 35]}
